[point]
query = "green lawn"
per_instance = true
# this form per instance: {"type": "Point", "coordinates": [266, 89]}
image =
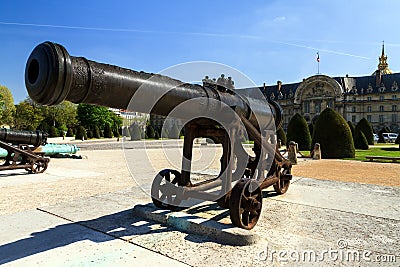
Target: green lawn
{"type": "Point", "coordinates": [387, 150]}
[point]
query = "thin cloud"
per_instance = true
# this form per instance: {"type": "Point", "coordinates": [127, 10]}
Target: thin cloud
{"type": "Point", "coordinates": [281, 18]}
{"type": "Point", "coordinates": [219, 35]}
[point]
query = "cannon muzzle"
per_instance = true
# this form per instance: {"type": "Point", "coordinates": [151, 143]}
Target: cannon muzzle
{"type": "Point", "coordinates": [34, 138]}
{"type": "Point", "coordinates": [52, 75]}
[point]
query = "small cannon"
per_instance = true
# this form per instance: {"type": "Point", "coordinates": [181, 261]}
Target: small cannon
{"type": "Point", "coordinates": [20, 150]}
{"type": "Point", "coordinates": [211, 111]}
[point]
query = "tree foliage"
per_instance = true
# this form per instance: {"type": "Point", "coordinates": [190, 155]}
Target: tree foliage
{"type": "Point", "coordinates": [27, 116]}
{"type": "Point", "coordinates": [360, 141]}
{"type": "Point", "coordinates": [365, 127]}
{"type": "Point", "coordinates": [135, 132]}
{"type": "Point", "coordinates": [352, 129]}
{"type": "Point", "coordinates": [333, 133]}
{"type": "Point", "coordinates": [298, 131]}
{"type": "Point", "coordinates": [81, 133]}
{"type": "Point", "coordinates": [150, 132]}
{"type": "Point", "coordinates": [281, 135]}
{"type": "Point", "coordinates": [92, 115]}
{"type": "Point", "coordinates": [7, 108]}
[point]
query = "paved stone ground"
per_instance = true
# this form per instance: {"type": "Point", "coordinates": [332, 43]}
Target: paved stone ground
{"type": "Point", "coordinates": [84, 217]}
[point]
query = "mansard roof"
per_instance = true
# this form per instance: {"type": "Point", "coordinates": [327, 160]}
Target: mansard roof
{"type": "Point", "coordinates": [350, 85]}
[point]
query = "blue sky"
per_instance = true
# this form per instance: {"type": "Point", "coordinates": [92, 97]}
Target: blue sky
{"type": "Point", "coordinates": [266, 40]}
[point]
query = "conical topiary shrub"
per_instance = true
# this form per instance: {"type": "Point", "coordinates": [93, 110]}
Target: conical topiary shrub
{"type": "Point", "coordinates": [96, 132]}
{"type": "Point", "coordinates": [281, 135]}
{"type": "Point", "coordinates": [107, 131]}
{"type": "Point", "coordinates": [298, 131]}
{"type": "Point", "coordinates": [150, 132]}
{"type": "Point", "coordinates": [352, 129]}
{"type": "Point", "coordinates": [365, 127]}
{"type": "Point", "coordinates": [135, 132]}
{"type": "Point", "coordinates": [81, 133]}
{"type": "Point", "coordinates": [360, 141]}
{"type": "Point", "coordinates": [333, 133]}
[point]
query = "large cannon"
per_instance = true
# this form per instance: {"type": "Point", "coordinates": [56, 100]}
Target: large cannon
{"type": "Point", "coordinates": [210, 111]}
{"type": "Point", "coordinates": [20, 150]}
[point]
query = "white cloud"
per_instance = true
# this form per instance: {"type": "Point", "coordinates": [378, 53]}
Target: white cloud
{"type": "Point", "coordinates": [280, 18]}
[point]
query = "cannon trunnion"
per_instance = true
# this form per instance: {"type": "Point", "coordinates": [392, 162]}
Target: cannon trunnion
{"type": "Point", "coordinates": [210, 111]}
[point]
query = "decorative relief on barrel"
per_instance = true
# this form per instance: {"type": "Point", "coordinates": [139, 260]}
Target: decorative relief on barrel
{"type": "Point", "coordinates": [80, 84]}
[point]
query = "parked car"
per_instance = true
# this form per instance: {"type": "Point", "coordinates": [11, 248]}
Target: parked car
{"type": "Point", "coordinates": [376, 138]}
{"type": "Point", "coordinates": [390, 137]}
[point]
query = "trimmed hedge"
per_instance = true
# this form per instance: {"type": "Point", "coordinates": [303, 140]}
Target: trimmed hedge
{"type": "Point", "coordinates": [298, 131]}
{"type": "Point", "coordinates": [281, 135]}
{"type": "Point", "coordinates": [353, 130]}
{"type": "Point", "coordinates": [333, 133]}
{"type": "Point", "coordinates": [360, 140]}
{"type": "Point", "coordinates": [365, 127]}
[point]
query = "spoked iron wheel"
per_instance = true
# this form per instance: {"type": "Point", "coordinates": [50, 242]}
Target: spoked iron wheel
{"type": "Point", "coordinates": [39, 166]}
{"type": "Point", "coordinates": [245, 204]}
{"type": "Point", "coordinates": [284, 181]}
{"type": "Point", "coordinates": [164, 190]}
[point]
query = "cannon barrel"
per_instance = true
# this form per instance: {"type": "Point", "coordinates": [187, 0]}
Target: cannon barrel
{"type": "Point", "coordinates": [52, 75]}
{"type": "Point", "coordinates": [34, 138]}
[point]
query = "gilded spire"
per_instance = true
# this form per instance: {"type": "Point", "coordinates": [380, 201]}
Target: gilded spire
{"type": "Point", "coordinates": [383, 66]}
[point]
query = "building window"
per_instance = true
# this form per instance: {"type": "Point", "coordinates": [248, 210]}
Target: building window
{"type": "Point", "coordinates": [369, 118]}
{"type": "Point", "coordinates": [369, 109]}
{"type": "Point", "coordinates": [306, 107]}
{"type": "Point", "coordinates": [394, 97]}
{"type": "Point", "coordinates": [381, 98]}
{"type": "Point", "coordinates": [317, 107]}
{"type": "Point", "coordinates": [369, 98]}
{"type": "Point", "coordinates": [394, 108]}
{"type": "Point", "coordinates": [353, 118]}
{"type": "Point", "coordinates": [381, 108]}
{"type": "Point", "coordinates": [353, 109]}
{"type": "Point", "coordinates": [381, 119]}
{"type": "Point", "coordinates": [394, 117]}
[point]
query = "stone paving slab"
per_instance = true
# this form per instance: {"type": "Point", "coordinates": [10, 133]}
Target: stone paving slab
{"type": "Point", "coordinates": [35, 237]}
{"type": "Point", "coordinates": [317, 220]}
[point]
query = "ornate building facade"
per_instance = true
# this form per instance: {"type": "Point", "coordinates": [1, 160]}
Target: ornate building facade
{"type": "Point", "coordinates": [375, 97]}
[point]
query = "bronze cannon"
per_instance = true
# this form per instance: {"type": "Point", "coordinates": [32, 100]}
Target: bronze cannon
{"type": "Point", "coordinates": [20, 149]}
{"type": "Point", "coordinates": [211, 111]}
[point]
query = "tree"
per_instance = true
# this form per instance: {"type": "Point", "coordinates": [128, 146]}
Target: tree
{"type": "Point", "coordinates": [174, 132]}
{"type": "Point", "coordinates": [397, 141]}
{"type": "Point", "coordinates": [352, 129]}
{"type": "Point", "coordinates": [70, 132]}
{"type": "Point", "coordinates": [156, 135]}
{"type": "Point", "coordinates": [53, 132]}
{"type": "Point", "coordinates": [135, 132]}
{"type": "Point", "coordinates": [365, 127]}
{"type": "Point", "coordinates": [150, 132]}
{"type": "Point", "coordinates": [333, 133]}
{"type": "Point", "coordinates": [298, 131]}
{"type": "Point", "coordinates": [81, 133]}
{"type": "Point", "coordinates": [360, 141]}
{"type": "Point", "coordinates": [92, 115]}
{"type": "Point", "coordinates": [281, 135]}
{"type": "Point", "coordinates": [7, 108]}
{"type": "Point", "coordinates": [107, 131]}
{"type": "Point", "coordinates": [96, 132]}
{"type": "Point", "coordinates": [27, 116]}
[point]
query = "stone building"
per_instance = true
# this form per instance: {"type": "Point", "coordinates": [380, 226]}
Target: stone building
{"type": "Point", "coordinates": [375, 97]}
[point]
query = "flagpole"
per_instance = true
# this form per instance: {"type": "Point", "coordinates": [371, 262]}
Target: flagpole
{"type": "Point", "coordinates": [318, 62]}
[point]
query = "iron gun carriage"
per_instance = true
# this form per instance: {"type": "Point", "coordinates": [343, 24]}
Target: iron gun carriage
{"type": "Point", "coordinates": [20, 147]}
{"type": "Point", "coordinates": [209, 111]}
